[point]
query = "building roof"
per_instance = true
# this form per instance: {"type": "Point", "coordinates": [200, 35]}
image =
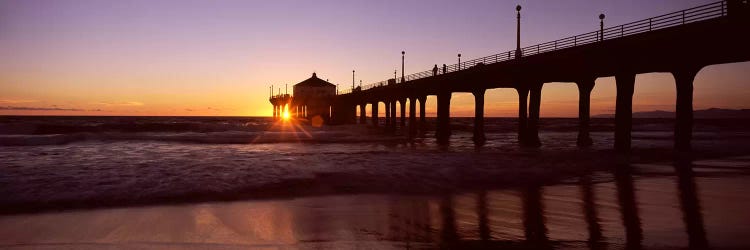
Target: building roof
{"type": "Point", "coordinates": [314, 81]}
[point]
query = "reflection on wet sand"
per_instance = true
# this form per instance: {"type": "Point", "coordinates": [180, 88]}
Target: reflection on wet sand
{"type": "Point", "coordinates": [600, 211]}
{"type": "Point", "coordinates": [482, 212]}
{"type": "Point", "coordinates": [448, 231]}
{"type": "Point", "coordinates": [628, 206]}
{"type": "Point", "coordinates": [590, 214]}
{"type": "Point", "coordinates": [691, 208]}
{"type": "Point", "coordinates": [533, 217]}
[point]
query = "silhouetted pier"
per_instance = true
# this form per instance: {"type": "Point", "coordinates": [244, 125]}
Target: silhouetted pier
{"type": "Point", "coordinates": [680, 43]}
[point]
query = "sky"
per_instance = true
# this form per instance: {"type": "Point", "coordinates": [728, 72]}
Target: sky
{"type": "Point", "coordinates": [220, 57]}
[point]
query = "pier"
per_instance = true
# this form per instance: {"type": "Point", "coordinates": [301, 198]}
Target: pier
{"type": "Point", "coordinates": [680, 43]}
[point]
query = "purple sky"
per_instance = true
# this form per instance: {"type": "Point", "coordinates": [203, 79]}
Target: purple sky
{"type": "Point", "coordinates": [167, 57]}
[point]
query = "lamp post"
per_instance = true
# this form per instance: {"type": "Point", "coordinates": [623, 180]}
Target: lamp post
{"type": "Point", "coordinates": [518, 31]}
{"type": "Point", "coordinates": [352, 80]}
{"type": "Point", "coordinates": [601, 27]}
{"type": "Point", "coordinates": [459, 61]}
{"type": "Point", "coordinates": [402, 66]}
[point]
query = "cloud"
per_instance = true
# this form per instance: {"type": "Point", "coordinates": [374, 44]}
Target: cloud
{"type": "Point", "coordinates": [126, 104]}
{"type": "Point", "coordinates": [41, 108]}
{"type": "Point", "coordinates": [12, 101]}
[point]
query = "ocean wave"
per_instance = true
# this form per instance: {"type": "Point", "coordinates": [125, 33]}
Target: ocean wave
{"type": "Point", "coordinates": [37, 131]}
{"type": "Point", "coordinates": [229, 137]}
{"type": "Point", "coordinates": [39, 140]}
{"type": "Point", "coordinates": [97, 124]}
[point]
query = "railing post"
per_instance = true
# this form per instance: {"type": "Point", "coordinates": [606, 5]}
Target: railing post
{"type": "Point", "coordinates": [555, 44]}
{"type": "Point", "coordinates": [649, 24]}
{"type": "Point", "coordinates": [575, 40]}
{"type": "Point", "coordinates": [537, 48]}
{"type": "Point", "coordinates": [622, 30]}
{"type": "Point", "coordinates": [722, 8]}
{"type": "Point", "coordinates": [683, 16]}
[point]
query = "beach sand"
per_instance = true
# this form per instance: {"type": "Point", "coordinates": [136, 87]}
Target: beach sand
{"type": "Point", "coordinates": [650, 206]}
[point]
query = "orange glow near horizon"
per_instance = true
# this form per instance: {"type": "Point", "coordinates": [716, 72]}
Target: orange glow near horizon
{"type": "Point", "coordinates": [105, 59]}
{"type": "Point", "coordinates": [717, 86]}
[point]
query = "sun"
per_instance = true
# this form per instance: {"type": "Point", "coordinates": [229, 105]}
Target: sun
{"type": "Point", "coordinates": [285, 115]}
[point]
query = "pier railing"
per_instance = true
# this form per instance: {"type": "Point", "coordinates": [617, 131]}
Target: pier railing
{"type": "Point", "coordinates": [279, 96]}
{"type": "Point", "coordinates": [677, 18]}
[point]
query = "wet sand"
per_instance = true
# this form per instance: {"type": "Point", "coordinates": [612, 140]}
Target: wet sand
{"type": "Point", "coordinates": [661, 205]}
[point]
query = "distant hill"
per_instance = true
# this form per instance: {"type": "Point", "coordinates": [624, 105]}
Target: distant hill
{"type": "Point", "coordinates": [711, 113]}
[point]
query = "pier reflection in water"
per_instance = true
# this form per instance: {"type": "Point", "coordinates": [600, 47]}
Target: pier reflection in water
{"type": "Point", "coordinates": [673, 205]}
{"type": "Point", "coordinates": [634, 207]}
{"type": "Point", "coordinates": [559, 217]}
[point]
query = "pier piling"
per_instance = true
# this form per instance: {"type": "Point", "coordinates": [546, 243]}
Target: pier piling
{"type": "Point", "coordinates": [479, 138]}
{"type": "Point", "coordinates": [624, 111]}
{"type": "Point", "coordinates": [443, 131]}
{"type": "Point", "coordinates": [584, 111]}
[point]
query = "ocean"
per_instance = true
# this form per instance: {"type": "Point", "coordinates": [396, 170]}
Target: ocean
{"type": "Point", "coordinates": [434, 194]}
